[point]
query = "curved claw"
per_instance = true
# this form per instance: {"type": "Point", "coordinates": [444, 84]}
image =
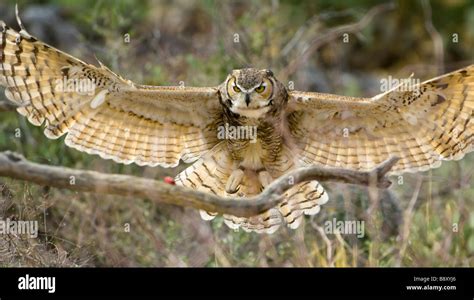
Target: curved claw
{"type": "Point", "coordinates": [265, 178]}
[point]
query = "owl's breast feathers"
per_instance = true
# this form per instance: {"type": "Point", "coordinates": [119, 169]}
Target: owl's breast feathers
{"type": "Point", "coordinates": [255, 143]}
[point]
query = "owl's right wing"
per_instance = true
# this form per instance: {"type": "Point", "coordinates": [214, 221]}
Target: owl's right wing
{"type": "Point", "coordinates": [101, 112]}
{"type": "Point", "coordinates": [423, 125]}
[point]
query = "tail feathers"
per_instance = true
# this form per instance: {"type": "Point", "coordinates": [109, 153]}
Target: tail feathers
{"type": "Point", "coordinates": [210, 173]}
{"type": "Point", "coordinates": [303, 199]}
{"type": "Point", "coordinates": [267, 222]}
{"type": "Point", "coordinates": [207, 216]}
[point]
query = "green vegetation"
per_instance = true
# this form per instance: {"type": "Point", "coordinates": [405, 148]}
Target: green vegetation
{"type": "Point", "coordinates": [194, 42]}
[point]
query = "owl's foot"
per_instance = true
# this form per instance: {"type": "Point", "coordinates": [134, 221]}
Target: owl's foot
{"type": "Point", "coordinates": [265, 178]}
{"type": "Point", "coordinates": [233, 183]}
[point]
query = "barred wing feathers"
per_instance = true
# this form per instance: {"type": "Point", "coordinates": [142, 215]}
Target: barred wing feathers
{"type": "Point", "coordinates": [423, 126]}
{"type": "Point", "coordinates": [211, 172]}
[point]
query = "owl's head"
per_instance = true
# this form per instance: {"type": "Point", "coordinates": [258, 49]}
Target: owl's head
{"type": "Point", "coordinates": [252, 93]}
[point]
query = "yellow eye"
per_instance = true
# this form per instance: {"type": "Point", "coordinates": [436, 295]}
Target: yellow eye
{"type": "Point", "coordinates": [260, 89]}
{"type": "Point", "coordinates": [236, 89]}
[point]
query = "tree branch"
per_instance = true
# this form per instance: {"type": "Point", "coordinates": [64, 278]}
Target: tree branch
{"type": "Point", "coordinates": [16, 166]}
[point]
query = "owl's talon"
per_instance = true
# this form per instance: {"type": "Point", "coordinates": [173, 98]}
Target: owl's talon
{"type": "Point", "coordinates": [231, 192]}
{"type": "Point", "coordinates": [233, 183]}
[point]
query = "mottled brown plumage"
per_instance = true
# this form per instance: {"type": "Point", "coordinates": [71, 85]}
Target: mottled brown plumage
{"type": "Point", "coordinates": [242, 134]}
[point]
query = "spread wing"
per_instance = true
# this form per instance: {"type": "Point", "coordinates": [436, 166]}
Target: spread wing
{"type": "Point", "coordinates": [99, 111]}
{"type": "Point", "coordinates": [431, 122]}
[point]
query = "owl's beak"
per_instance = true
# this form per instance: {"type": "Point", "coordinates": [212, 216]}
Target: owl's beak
{"type": "Point", "coordinates": [247, 99]}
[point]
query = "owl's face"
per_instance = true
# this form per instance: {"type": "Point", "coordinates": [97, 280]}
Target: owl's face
{"type": "Point", "coordinates": [251, 92]}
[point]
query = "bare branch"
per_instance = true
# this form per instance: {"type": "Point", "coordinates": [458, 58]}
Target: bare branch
{"type": "Point", "coordinates": [16, 166]}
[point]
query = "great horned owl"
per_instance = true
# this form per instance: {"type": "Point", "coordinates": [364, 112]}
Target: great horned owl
{"type": "Point", "coordinates": [242, 134]}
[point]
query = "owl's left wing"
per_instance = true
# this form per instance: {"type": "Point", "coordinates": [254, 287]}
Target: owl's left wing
{"type": "Point", "coordinates": [431, 122]}
{"type": "Point", "coordinates": [101, 112]}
